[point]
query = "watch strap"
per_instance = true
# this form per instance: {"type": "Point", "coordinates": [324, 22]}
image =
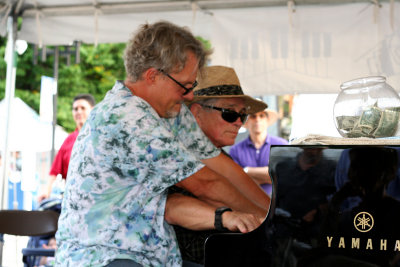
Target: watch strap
{"type": "Point", "coordinates": [218, 218]}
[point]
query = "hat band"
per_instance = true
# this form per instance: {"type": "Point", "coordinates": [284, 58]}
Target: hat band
{"type": "Point", "coordinates": [219, 90]}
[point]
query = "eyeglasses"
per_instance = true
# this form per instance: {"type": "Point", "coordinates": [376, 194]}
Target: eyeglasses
{"type": "Point", "coordinates": [229, 115]}
{"type": "Point", "coordinates": [187, 90]}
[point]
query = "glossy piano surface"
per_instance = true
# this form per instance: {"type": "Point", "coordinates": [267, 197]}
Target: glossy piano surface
{"type": "Point", "coordinates": [331, 206]}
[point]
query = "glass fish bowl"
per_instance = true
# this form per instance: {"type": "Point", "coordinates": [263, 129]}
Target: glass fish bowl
{"type": "Point", "coordinates": [367, 107]}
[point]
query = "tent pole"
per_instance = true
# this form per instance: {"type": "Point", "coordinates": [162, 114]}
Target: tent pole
{"type": "Point", "coordinates": [9, 95]}
{"type": "Point", "coordinates": [55, 95]}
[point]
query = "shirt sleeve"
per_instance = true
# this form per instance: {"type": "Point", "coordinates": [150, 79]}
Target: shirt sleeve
{"type": "Point", "coordinates": [56, 166]}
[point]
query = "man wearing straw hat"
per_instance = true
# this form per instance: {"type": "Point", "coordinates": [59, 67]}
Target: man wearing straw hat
{"type": "Point", "coordinates": [218, 104]}
{"type": "Point", "coordinates": [253, 152]}
{"type": "Point", "coordinates": [220, 109]}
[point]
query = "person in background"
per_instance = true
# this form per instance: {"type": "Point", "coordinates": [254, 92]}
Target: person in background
{"type": "Point", "coordinates": [220, 109]}
{"type": "Point", "coordinates": [341, 179]}
{"type": "Point", "coordinates": [253, 152]}
{"type": "Point", "coordinates": [82, 104]}
{"type": "Point", "coordinates": [312, 172]}
{"type": "Point", "coordinates": [138, 142]}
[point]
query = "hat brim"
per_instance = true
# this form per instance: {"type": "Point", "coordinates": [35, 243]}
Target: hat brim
{"type": "Point", "coordinates": [272, 116]}
{"type": "Point", "coordinates": [252, 105]}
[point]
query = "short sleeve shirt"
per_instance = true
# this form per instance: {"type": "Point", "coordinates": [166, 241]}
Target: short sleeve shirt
{"type": "Point", "coordinates": [123, 160]}
{"type": "Point", "coordinates": [61, 161]}
{"type": "Point", "coordinates": [246, 155]}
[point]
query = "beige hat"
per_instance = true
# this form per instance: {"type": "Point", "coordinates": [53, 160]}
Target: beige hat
{"type": "Point", "coordinates": [272, 116]}
{"type": "Point", "coordinates": [222, 82]}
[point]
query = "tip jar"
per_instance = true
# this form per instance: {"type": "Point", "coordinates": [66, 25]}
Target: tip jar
{"type": "Point", "coordinates": [367, 107]}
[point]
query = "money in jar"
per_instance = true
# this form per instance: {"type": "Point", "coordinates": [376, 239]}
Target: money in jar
{"type": "Point", "coordinates": [367, 107]}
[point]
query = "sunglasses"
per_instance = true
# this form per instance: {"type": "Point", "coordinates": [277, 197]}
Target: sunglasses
{"type": "Point", "coordinates": [187, 90]}
{"type": "Point", "coordinates": [229, 115]}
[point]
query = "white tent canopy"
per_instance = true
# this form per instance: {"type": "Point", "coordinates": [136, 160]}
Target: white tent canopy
{"type": "Point", "coordinates": [277, 47]}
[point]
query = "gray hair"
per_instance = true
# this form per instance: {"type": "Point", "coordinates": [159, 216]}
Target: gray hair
{"type": "Point", "coordinates": [161, 45]}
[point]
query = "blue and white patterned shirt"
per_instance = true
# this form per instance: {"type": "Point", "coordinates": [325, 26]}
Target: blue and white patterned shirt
{"type": "Point", "coordinates": [123, 160]}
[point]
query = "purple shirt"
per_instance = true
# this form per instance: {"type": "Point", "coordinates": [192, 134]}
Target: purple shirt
{"type": "Point", "coordinates": [245, 154]}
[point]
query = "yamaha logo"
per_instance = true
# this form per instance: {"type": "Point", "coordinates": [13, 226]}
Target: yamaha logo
{"type": "Point", "coordinates": [363, 222]}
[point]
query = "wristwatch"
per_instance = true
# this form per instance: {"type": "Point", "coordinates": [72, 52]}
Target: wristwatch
{"type": "Point", "coordinates": [218, 218]}
{"type": "Point", "coordinates": [246, 169]}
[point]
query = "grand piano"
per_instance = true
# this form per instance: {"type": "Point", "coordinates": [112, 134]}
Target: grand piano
{"type": "Point", "coordinates": [335, 205]}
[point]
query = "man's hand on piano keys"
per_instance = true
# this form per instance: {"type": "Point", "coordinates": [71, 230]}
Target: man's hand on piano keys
{"type": "Point", "coordinates": [237, 221]}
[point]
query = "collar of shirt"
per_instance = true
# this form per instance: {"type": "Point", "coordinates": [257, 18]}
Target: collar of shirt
{"type": "Point", "coordinates": [248, 142]}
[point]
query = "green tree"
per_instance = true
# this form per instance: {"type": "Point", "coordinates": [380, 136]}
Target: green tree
{"type": "Point", "coordinates": [100, 66]}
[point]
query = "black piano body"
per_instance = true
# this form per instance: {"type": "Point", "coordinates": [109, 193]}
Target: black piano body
{"type": "Point", "coordinates": [330, 206]}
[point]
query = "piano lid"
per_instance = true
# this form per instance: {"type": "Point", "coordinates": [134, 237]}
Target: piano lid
{"type": "Point", "coordinates": [331, 206]}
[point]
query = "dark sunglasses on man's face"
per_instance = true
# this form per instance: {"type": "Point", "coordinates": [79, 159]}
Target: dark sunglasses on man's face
{"type": "Point", "coordinates": [229, 115]}
{"type": "Point", "coordinates": [187, 90]}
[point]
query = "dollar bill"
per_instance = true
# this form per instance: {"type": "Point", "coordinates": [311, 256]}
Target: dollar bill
{"type": "Point", "coordinates": [387, 124]}
{"type": "Point", "coordinates": [355, 134]}
{"type": "Point", "coordinates": [373, 122]}
{"type": "Point", "coordinates": [347, 123]}
{"type": "Point", "coordinates": [369, 120]}
{"type": "Point", "coordinates": [394, 109]}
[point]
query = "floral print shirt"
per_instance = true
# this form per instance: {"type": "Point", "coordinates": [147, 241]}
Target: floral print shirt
{"type": "Point", "coordinates": [123, 161]}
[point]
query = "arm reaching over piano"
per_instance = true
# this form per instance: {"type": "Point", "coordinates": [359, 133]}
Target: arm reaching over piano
{"type": "Point", "coordinates": [194, 214]}
{"type": "Point", "coordinates": [216, 190]}
{"type": "Point", "coordinates": [226, 167]}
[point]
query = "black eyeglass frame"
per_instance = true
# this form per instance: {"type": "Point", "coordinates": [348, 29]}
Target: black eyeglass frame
{"type": "Point", "coordinates": [187, 90]}
{"type": "Point", "coordinates": [226, 112]}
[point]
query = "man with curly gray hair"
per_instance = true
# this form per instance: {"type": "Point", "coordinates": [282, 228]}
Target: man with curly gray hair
{"type": "Point", "coordinates": [137, 142]}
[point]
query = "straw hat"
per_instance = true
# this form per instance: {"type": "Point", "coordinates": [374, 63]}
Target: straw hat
{"type": "Point", "coordinates": [222, 82]}
{"type": "Point", "coordinates": [272, 116]}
